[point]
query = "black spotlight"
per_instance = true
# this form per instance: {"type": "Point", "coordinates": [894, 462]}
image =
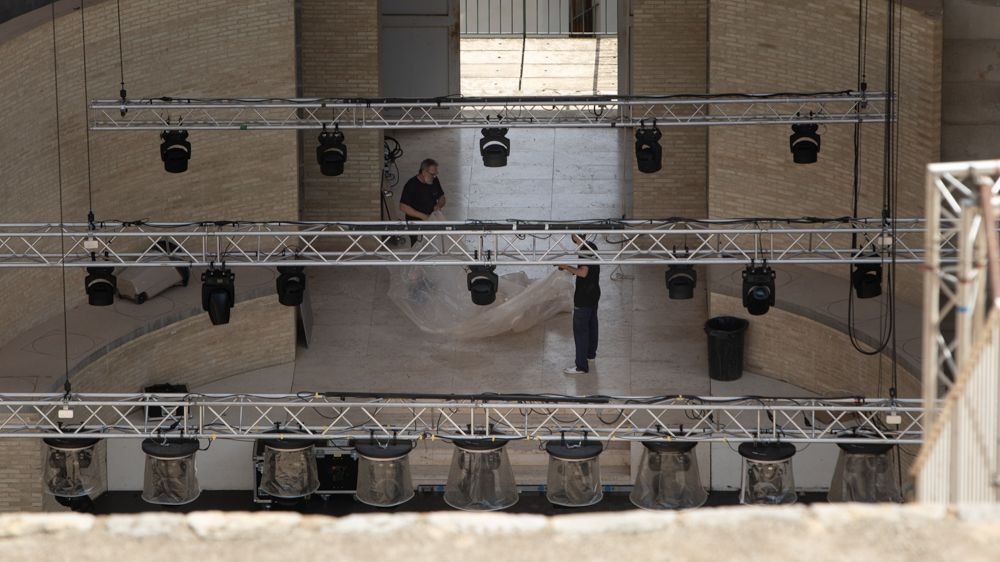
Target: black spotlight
{"type": "Point", "coordinates": [648, 152]}
{"type": "Point", "coordinates": [101, 285]}
{"type": "Point", "coordinates": [681, 280]}
{"type": "Point", "coordinates": [758, 289]}
{"type": "Point", "coordinates": [804, 142]}
{"type": "Point", "coordinates": [218, 294]}
{"type": "Point", "coordinates": [331, 153]}
{"type": "Point", "coordinates": [291, 284]}
{"type": "Point", "coordinates": [175, 151]}
{"type": "Point", "coordinates": [494, 147]}
{"type": "Point", "coordinates": [867, 280]}
{"type": "Point", "coordinates": [483, 283]}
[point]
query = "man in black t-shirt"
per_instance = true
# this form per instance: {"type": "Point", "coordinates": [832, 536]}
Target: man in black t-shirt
{"type": "Point", "coordinates": [422, 195]}
{"type": "Point", "coordinates": [585, 299]}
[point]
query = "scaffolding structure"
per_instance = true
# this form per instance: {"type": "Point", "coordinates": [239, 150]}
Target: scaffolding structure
{"type": "Point", "coordinates": [464, 112]}
{"type": "Point", "coordinates": [808, 241]}
{"type": "Point", "coordinates": [488, 417]}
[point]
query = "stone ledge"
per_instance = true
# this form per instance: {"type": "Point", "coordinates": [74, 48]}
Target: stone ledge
{"type": "Point", "coordinates": [827, 532]}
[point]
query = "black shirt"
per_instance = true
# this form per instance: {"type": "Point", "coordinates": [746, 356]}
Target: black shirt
{"type": "Point", "coordinates": [421, 196]}
{"type": "Point", "coordinates": [588, 289]}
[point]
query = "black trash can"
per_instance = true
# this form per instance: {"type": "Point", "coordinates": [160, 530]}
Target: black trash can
{"type": "Point", "coordinates": [725, 347]}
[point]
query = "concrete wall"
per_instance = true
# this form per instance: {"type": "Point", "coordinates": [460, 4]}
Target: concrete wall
{"type": "Point", "coordinates": [340, 58]}
{"type": "Point", "coordinates": [970, 128]}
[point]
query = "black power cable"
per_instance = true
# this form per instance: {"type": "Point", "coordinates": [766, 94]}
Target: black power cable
{"type": "Point", "coordinates": [62, 231]}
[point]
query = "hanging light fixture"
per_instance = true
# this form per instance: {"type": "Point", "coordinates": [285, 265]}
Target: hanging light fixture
{"type": "Point", "coordinates": [648, 152]}
{"type": "Point", "coordinates": [865, 472]}
{"type": "Point", "coordinates": [331, 153]}
{"type": "Point", "coordinates": [170, 477]}
{"type": "Point", "coordinates": [574, 475]}
{"type": "Point", "coordinates": [494, 147]}
{"type": "Point", "coordinates": [668, 477]}
{"type": "Point", "coordinates": [483, 283]}
{"type": "Point", "coordinates": [767, 473]}
{"type": "Point", "coordinates": [101, 286]}
{"type": "Point", "coordinates": [289, 468]}
{"type": "Point", "coordinates": [384, 473]}
{"type": "Point", "coordinates": [218, 293]}
{"type": "Point", "coordinates": [71, 468]}
{"type": "Point", "coordinates": [804, 142]}
{"type": "Point", "coordinates": [291, 284]}
{"type": "Point", "coordinates": [681, 280]}
{"type": "Point", "coordinates": [866, 278]}
{"type": "Point", "coordinates": [758, 289]}
{"type": "Point", "coordinates": [175, 151]}
{"type": "Point", "coordinates": [481, 477]}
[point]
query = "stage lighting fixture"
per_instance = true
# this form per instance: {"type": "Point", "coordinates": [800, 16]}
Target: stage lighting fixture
{"type": "Point", "coordinates": [331, 154]}
{"type": "Point", "coordinates": [867, 280]}
{"type": "Point", "coordinates": [865, 472]}
{"type": "Point", "coordinates": [384, 478]}
{"type": "Point", "coordinates": [171, 476]}
{"type": "Point", "coordinates": [175, 151]}
{"type": "Point", "coordinates": [101, 286]}
{"type": "Point", "coordinates": [681, 281]}
{"type": "Point", "coordinates": [289, 469]}
{"type": "Point", "coordinates": [71, 467]}
{"type": "Point", "coordinates": [758, 289]}
{"type": "Point", "coordinates": [574, 475]}
{"type": "Point", "coordinates": [494, 147]}
{"type": "Point", "coordinates": [648, 152]}
{"type": "Point", "coordinates": [668, 477]}
{"type": "Point", "coordinates": [804, 143]}
{"type": "Point", "coordinates": [767, 473]}
{"type": "Point", "coordinates": [291, 284]}
{"type": "Point", "coordinates": [218, 294]}
{"type": "Point", "coordinates": [483, 284]}
{"type": "Point", "coordinates": [481, 477]}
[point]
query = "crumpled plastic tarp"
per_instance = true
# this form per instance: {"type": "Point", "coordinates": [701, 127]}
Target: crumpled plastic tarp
{"type": "Point", "coordinates": [437, 300]}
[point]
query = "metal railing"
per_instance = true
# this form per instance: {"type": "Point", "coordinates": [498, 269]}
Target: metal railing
{"type": "Point", "coordinates": [539, 18]}
{"type": "Point", "coordinates": [959, 461]}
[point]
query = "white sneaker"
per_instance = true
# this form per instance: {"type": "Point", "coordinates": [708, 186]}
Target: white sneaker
{"type": "Point", "coordinates": [574, 371]}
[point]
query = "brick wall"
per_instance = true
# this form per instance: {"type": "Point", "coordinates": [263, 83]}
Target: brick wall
{"type": "Point", "coordinates": [817, 358]}
{"type": "Point", "coordinates": [789, 45]}
{"type": "Point", "coordinates": [20, 475]}
{"type": "Point", "coordinates": [193, 352]}
{"type": "Point", "coordinates": [669, 55]}
{"type": "Point", "coordinates": [181, 48]}
{"type": "Point", "coordinates": [340, 58]}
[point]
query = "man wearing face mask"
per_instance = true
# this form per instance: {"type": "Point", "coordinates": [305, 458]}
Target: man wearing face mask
{"type": "Point", "coordinates": [422, 195]}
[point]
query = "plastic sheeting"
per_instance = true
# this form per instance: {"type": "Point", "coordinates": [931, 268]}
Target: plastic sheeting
{"type": "Point", "coordinates": [437, 300]}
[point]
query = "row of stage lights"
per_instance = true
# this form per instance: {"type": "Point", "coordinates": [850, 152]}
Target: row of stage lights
{"type": "Point", "coordinates": [481, 477]}
{"type": "Point", "coordinates": [218, 289]}
{"type": "Point", "coordinates": [494, 147]}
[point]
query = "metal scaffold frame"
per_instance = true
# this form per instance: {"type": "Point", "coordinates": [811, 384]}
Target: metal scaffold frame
{"type": "Point", "coordinates": [693, 242]}
{"type": "Point", "coordinates": [325, 416]}
{"type": "Point", "coordinates": [457, 112]}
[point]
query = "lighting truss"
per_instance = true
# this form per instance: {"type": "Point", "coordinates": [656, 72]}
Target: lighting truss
{"type": "Point", "coordinates": [457, 112]}
{"type": "Point", "coordinates": [327, 416]}
{"type": "Point", "coordinates": [955, 283]}
{"type": "Point", "coordinates": [693, 242]}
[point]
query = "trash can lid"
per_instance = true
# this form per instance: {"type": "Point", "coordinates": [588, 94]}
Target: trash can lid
{"type": "Point", "coordinates": [670, 446]}
{"type": "Point", "coordinates": [574, 450]}
{"type": "Point", "coordinates": [726, 324]}
{"type": "Point", "coordinates": [170, 448]}
{"type": "Point", "coordinates": [390, 450]}
{"type": "Point", "coordinates": [865, 448]}
{"type": "Point", "coordinates": [776, 451]}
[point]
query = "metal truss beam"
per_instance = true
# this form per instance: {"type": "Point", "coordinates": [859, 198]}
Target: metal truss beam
{"type": "Point", "coordinates": [708, 242]}
{"type": "Point", "coordinates": [681, 418]}
{"type": "Point", "coordinates": [592, 112]}
{"type": "Point", "coordinates": [955, 283]}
